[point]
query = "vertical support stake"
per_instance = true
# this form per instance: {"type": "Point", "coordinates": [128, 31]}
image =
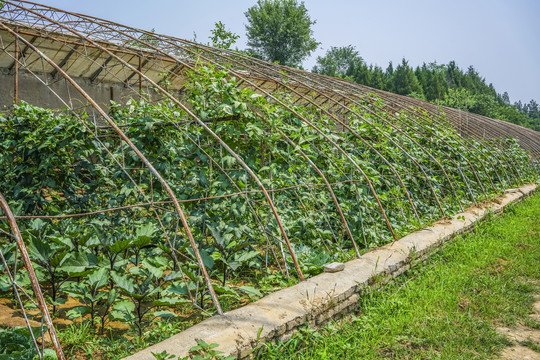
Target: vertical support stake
{"type": "Point", "coordinates": [16, 82]}
{"type": "Point", "coordinates": [140, 76]}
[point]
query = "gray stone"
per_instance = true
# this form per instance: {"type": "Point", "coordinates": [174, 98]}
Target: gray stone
{"type": "Point", "coordinates": [334, 267]}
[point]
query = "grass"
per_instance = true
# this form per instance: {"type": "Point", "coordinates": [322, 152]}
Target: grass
{"type": "Point", "coordinates": [446, 308]}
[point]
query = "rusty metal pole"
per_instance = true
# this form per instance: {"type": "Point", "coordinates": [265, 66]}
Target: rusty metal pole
{"type": "Point", "coordinates": [16, 75]}
{"type": "Point", "coordinates": [140, 76]}
{"type": "Point", "coordinates": [32, 275]}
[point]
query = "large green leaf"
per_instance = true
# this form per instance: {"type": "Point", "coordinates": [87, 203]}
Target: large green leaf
{"type": "Point", "coordinates": [79, 263]}
{"type": "Point", "coordinates": [124, 283]}
{"type": "Point", "coordinates": [98, 278]}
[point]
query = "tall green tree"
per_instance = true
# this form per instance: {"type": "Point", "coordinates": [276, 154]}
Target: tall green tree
{"type": "Point", "coordinates": [405, 81]}
{"type": "Point", "coordinates": [221, 37]}
{"type": "Point", "coordinates": [280, 31]}
{"type": "Point", "coordinates": [378, 79]}
{"type": "Point", "coordinates": [339, 62]}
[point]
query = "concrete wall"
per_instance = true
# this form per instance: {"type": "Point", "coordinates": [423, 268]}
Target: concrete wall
{"type": "Point", "coordinates": [34, 92]}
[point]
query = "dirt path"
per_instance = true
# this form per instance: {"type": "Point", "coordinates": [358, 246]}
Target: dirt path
{"type": "Point", "coordinates": [523, 338]}
{"type": "Point", "coordinates": [10, 317]}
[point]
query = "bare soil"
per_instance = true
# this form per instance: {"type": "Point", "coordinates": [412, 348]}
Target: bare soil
{"type": "Point", "coordinates": [521, 336]}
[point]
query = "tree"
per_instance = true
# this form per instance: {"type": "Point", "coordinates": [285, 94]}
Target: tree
{"type": "Point", "coordinates": [338, 62]}
{"type": "Point", "coordinates": [280, 31]}
{"type": "Point", "coordinates": [378, 78]}
{"type": "Point", "coordinates": [389, 73]}
{"type": "Point", "coordinates": [506, 98]}
{"type": "Point", "coordinates": [221, 37]}
{"type": "Point", "coordinates": [459, 98]}
{"type": "Point", "coordinates": [453, 75]}
{"type": "Point", "coordinates": [533, 109]}
{"type": "Point", "coordinates": [405, 81]}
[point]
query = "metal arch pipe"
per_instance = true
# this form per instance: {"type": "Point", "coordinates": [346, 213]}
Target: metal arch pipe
{"type": "Point", "coordinates": [461, 142]}
{"type": "Point", "coordinates": [494, 133]}
{"type": "Point", "coordinates": [357, 86]}
{"type": "Point", "coordinates": [350, 180]}
{"type": "Point", "coordinates": [319, 131]}
{"type": "Point", "coordinates": [474, 171]}
{"type": "Point", "coordinates": [434, 119]}
{"type": "Point", "coordinates": [346, 126]}
{"type": "Point", "coordinates": [452, 147]}
{"type": "Point", "coordinates": [511, 166]}
{"type": "Point", "coordinates": [141, 156]}
{"type": "Point", "coordinates": [529, 138]}
{"type": "Point", "coordinates": [421, 147]}
{"type": "Point", "coordinates": [200, 122]}
{"type": "Point", "coordinates": [131, 179]}
{"type": "Point", "coordinates": [135, 39]}
{"type": "Point", "coordinates": [474, 130]}
{"type": "Point", "coordinates": [464, 138]}
{"type": "Point", "coordinates": [365, 142]}
{"type": "Point", "coordinates": [156, 36]}
{"type": "Point", "coordinates": [453, 161]}
{"type": "Point", "coordinates": [330, 190]}
{"type": "Point", "coordinates": [403, 150]}
{"type": "Point", "coordinates": [213, 160]}
{"type": "Point", "coordinates": [330, 98]}
{"type": "Point", "coordinates": [32, 275]}
{"type": "Point", "coordinates": [371, 187]}
{"type": "Point", "coordinates": [423, 150]}
{"type": "Point", "coordinates": [332, 194]}
{"type": "Point", "coordinates": [230, 179]}
{"type": "Point", "coordinates": [457, 165]}
{"type": "Point", "coordinates": [450, 117]}
{"type": "Point", "coordinates": [495, 150]}
{"type": "Point", "coordinates": [501, 128]}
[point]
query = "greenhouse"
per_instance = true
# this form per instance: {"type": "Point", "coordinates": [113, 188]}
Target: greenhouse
{"type": "Point", "coordinates": [146, 176]}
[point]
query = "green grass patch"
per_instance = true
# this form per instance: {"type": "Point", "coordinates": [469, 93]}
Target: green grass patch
{"type": "Point", "coordinates": [445, 308]}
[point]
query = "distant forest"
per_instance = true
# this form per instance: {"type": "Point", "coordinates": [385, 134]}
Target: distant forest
{"type": "Point", "coordinates": [446, 85]}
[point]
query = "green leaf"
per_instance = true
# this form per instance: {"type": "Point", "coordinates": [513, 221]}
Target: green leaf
{"type": "Point", "coordinates": [98, 278]}
{"type": "Point", "coordinates": [78, 312]}
{"type": "Point", "coordinates": [208, 260]}
{"type": "Point", "coordinates": [123, 283]}
{"type": "Point", "coordinates": [180, 288]}
{"type": "Point", "coordinates": [120, 246]}
{"type": "Point", "coordinates": [224, 290]}
{"type": "Point", "coordinates": [124, 306]}
{"type": "Point", "coordinates": [250, 290]}
{"type": "Point", "coordinates": [217, 235]}
{"type": "Point", "coordinates": [144, 235]}
{"type": "Point", "coordinates": [170, 301]}
{"type": "Point", "coordinates": [78, 264]}
{"type": "Point", "coordinates": [165, 314]}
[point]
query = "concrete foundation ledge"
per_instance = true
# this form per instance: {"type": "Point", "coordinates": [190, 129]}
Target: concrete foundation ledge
{"type": "Point", "coordinates": [325, 296]}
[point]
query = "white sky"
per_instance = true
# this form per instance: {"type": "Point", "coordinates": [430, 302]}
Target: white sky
{"type": "Point", "coordinates": [500, 38]}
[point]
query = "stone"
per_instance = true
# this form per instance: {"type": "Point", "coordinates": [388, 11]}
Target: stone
{"type": "Point", "coordinates": [334, 267]}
